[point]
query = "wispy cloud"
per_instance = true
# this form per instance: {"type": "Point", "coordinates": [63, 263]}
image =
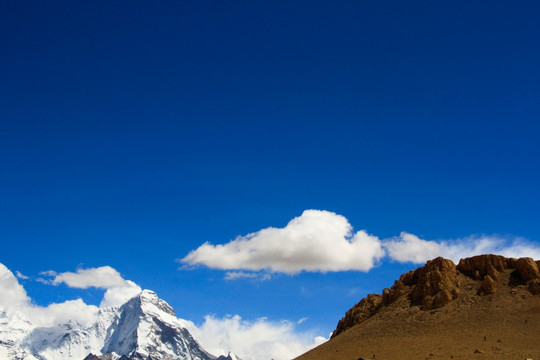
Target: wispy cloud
{"type": "Point", "coordinates": [410, 248]}
{"type": "Point", "coordinates": [317, 241]}
{"type": "Point", "coordinates": [235, 275]}
{"type": "Point", "coordinates": [21, 275]}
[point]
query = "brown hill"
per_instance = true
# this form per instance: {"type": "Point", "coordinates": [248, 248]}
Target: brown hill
{"type": "Point", "coordinates": [486, 307]}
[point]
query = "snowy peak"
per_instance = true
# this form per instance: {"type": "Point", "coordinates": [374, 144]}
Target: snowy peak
{"type": "Point", "coordinates": [145, 327]}
{"type": "Point", "coordinates": [150, 302]}
{"type": "Point", "coordinates": [148, 328]}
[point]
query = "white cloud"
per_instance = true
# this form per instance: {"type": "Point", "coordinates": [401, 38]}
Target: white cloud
{"type": "Point", "coordinates": [251, 340]}
{"type": "Point", "coordinates": [12, 293]}
{"type": "Point", "coordinates": [21, 275]}
{"type": "Point", "coordinates": [118, 295]}
{"type": "Point", "coordinates": [118, 291]}
{"type": "Point", "coordinates": [322, 241]}
{"type": "Point", "coordinates": [48, 273]}
{"type": "Point", "coordinates": [14, 297]}
{"type": "Point", "coordinates": [410, 248]}
{"type": "Point", "coordinates": [235, 275]}
{"type": "Point", "coordinates": [57, 313]}
{"type": "Point", "coordinates": [315, 241]}
{"type": "Point", "coordinates": [44, 281]}
{"type": "Point", "coordinates": [102, 277]}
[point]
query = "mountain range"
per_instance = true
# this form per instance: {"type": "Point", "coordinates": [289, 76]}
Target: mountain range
{"type": "Point", "coordinates": [144, 328]}
{"type": "Point", "coordinates": [485, 307]}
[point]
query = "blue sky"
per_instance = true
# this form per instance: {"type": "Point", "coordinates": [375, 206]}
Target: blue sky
{"type": "Point", "coordinates": [133, 133]}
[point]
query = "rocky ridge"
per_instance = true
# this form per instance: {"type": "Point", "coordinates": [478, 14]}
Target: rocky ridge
{"type": "Point", "coordinates": [440, 282]}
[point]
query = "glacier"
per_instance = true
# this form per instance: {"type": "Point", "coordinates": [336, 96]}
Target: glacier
{"type": "Point", "coordinates": [143, 328]}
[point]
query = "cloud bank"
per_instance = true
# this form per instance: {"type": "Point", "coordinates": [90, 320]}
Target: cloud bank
{"type": "Point", "coordinates": [323, 241]}
{"type": "Point", "coordinates": [315, 241]}
{"type": "Point", "coordinates": [253, 340]}
{"type": "Point", "coordinates": [14, 297]}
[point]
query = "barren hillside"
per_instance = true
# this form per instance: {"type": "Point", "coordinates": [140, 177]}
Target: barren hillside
{"type": "Point", "coordinates": [486, 307]}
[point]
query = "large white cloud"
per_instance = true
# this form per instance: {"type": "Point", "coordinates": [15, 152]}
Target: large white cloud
{"type": "Point", "coordinates": [253, 340]}
{"type": "Point", "coordinates": [323, 241]}
{"type": "Point", "coordinates": [410, 248]}
{"type": "Point", "coordinates": [315, 241]}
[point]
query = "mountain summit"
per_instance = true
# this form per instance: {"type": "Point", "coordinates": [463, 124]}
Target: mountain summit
{"type": "Point", "coordinates": [486, 307]}
{"type": "Point", "coordinates": [145, 327]}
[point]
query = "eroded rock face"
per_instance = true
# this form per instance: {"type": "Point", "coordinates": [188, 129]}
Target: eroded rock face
{"type": "Point", "coordinates": [431, 286]}
{"type": "Point", "coordinates": [359, 312]}
{"type": "Point", "coordinates": [438, 283]}
{"type": "Point", "coordinates": [477, 267]}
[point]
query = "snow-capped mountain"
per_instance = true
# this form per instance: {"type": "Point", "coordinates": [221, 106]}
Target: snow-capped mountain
{"type": "Point", "coordinates": [144, 328]}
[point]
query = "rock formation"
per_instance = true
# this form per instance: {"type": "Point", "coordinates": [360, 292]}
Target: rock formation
{"type": "Point", "coordinates": [438, 283]}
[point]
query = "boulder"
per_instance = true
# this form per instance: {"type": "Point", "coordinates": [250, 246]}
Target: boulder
{"type": "Point", "coordinates": [487, 286]}
{"type": "Point", "coordinates": [528, 269]}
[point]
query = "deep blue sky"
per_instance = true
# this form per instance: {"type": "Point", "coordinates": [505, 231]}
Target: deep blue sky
{"type": "Point", "coordinates": [133, 132]}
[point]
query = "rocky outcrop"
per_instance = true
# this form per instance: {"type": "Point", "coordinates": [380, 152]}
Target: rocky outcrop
{"type": "Point", "coordinates": [477, 267]}
{"type": "Point", "coordinates": [438, 283]}
{"type": "Point", "coordinates": [359, 312]}
{"type": "Point", "coordinates": [482, 266]}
